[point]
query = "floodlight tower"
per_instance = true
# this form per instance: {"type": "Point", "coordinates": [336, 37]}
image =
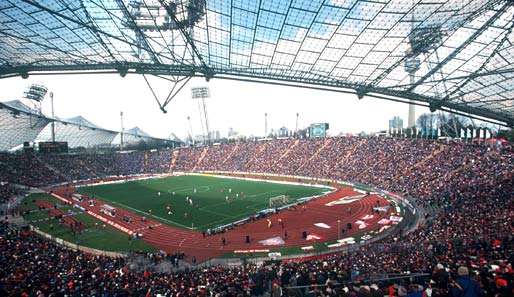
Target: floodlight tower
{"type": "Point", "coordinates": [190, 130]}
{"type": "Point", "coordinates": [121, 131]}
{"type": "Point", "coordinates": [53, 116]}
{"type": "Point", "coordinates": [35, 95]}
{"type": "Point", "coordinates": [202, 93]}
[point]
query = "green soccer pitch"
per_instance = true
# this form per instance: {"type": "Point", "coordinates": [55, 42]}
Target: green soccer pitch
{"type": "Point", "coordinates": [210, 208]}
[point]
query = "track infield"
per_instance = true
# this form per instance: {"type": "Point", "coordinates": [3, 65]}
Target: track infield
{"type": "Point", "coordinates": [215, 200]}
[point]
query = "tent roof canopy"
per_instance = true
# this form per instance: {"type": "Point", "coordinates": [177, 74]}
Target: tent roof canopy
{"type": "Point", "coordinates": [445, 54]}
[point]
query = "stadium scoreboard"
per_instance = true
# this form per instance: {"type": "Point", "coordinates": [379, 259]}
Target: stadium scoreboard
{"type": "Point", "coordinates": [48, 147]}
{"type": "Point", "coordinates": [318, 130]}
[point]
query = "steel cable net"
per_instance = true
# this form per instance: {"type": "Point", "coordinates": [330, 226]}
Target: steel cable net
{"type": "Point", "coordinates": [19, 123]}
{"type": "Point", "coordinates": [17, 128]}
{"type": "Point", "coordinates": [459, 52]}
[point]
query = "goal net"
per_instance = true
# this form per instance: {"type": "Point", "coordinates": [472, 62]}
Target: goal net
{"type": "Point", "coordinates": [278, 201]}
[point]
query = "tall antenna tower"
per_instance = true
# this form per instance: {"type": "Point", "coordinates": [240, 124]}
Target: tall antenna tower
{"type": "Point", "coordinates": [412, 64]}
{"type": "Point", "coordinates": [423, 39]}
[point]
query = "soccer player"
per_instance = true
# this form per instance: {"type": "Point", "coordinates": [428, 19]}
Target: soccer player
{"type": "Point", "coordinates": [269, 223]}
{"type": "Point", "coordinates": [159, 194]}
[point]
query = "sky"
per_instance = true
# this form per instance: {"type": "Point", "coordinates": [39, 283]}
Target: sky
{"type": "Point", "coordinates": [238, 105]}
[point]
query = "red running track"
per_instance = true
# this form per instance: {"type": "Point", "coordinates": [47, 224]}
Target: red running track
{"type": "Point", "coordinates": [296, 220]}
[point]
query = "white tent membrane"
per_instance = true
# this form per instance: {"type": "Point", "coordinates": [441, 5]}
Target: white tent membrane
{"type": "Point", "coordinates": [19, 124]}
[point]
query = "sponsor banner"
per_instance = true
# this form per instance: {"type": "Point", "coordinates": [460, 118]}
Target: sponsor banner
{"type": "Point", "coordinates": [274, 255]}
{"type": "Point", "coordinates": [347, 240]}
{"type": "Point", "coordinates": [395, 219]}
{"type": "Point", "coordinates": [365, 237]}
{"type": "Point", "coordinates": [381, 208]}
{"type": "Point", "coordinates": [251, 251]}
{"type": "Point", "coordinates": [307, 248]}
{"type": "Point", "coordinates": [336, 245]}
{"type": "Point", "coordinates": [109, 222]}
{"type": "Point", "coordinates": [322, 225]}
{"type": "Point", "coordinates": [273, 241]}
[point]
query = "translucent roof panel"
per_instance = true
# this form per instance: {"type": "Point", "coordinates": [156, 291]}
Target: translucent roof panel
{"type": "Point", "coordinates": [78, 136]}
{"type": "Point", "coordinates": [19, 123]}
{"type": "Point", "coordinates": [17, 128]}
{"type": "Point", "coordinates": [455, 54]}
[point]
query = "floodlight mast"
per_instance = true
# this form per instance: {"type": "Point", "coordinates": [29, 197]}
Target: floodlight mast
{"type": "Point", "coordinates": [121, 131]}
{"type": "Point", "coordinates": [202, 93]}
{"type": "Point", "coordinates": [53, 115]}
{"type": "Point", "coordinates": [296, 127]}
{"type": "Point", "coordinates": [36, 94]}
{"type": "Point", "coordinates": [191, 139]}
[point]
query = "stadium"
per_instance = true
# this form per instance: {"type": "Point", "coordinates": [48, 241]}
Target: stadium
{"type": "Point", "coordinates": [92, 209]}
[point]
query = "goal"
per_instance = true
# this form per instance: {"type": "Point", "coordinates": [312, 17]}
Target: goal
{"type": "Point", "coordinates": [278, 201]}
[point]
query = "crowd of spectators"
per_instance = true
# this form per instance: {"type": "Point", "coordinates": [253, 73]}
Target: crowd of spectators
{"type": "Point", "coordinates": [466, 245]}
{"type": "Point", "coordinates": [7, 191]}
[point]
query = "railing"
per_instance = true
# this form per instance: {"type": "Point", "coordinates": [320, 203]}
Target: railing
{"type": "Point", "coordinates": [365, 281]}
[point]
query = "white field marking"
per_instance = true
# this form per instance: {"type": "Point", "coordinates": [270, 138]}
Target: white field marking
{"type": "Point", "coordinates": [218, 175]}
{"type": "Point", "coordinates": [216, 213]}
{"type": "Point", "coordinates": [150, 215]}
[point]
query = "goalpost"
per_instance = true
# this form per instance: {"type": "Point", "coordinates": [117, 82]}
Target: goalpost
{"type": "Point", "coordinates": [278, 201]}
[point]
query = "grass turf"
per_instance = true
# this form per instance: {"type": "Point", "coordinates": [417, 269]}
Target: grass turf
{"type": "Point", "coordinates": [95, 235]}
{"type": "Point", "coordinates": [210, 208]}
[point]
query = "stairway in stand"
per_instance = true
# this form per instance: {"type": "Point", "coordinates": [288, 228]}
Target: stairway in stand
{"type": "Point", "coordinates": [434, 153]}
{"type": "Point", "coordinates": [326, 143]}
{"type": "Point", "coordinates": [202, 155]}
{"type": "Point", "coordinates": [174, 157]}
{"type": "Point", "coordinates": [351, 152]}
{"type": "Point", "coordinates": [51, 168]}
{"type": "Point", "coordinates": [231, 153]}
{"type": "Point", "coordinates": [289, 149]}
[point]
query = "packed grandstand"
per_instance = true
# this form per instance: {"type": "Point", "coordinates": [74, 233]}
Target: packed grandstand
{"type": "Point", "coordinates": [91, 211]}
{"type": "Point", "coordinates": [467, 188]}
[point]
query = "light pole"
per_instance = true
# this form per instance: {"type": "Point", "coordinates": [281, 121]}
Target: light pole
{"type": "Point", "coordinates": [296, 127]}
{"type": "Point", "coordinates": [121, 132]}
{"type": "Point", "coordinates": [201, 93]}
{"type": "Point", "coordinates": [338, 229]}
{"type": "Point", "coordinates": [53, 116]}
{"type": "Point", "coordinates": [265, 125]}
